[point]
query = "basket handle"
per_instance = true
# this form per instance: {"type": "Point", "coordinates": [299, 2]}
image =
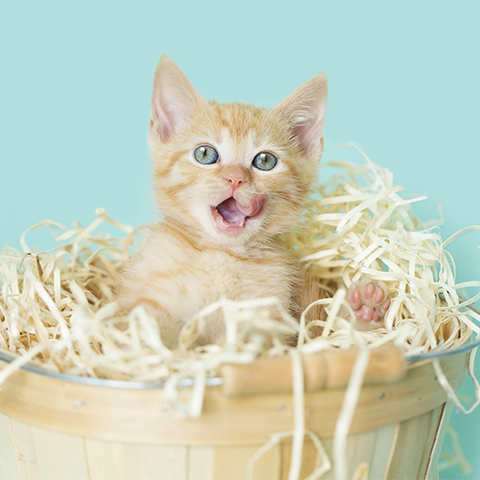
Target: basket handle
{"type": "Point", "coordinates": [328, 369]}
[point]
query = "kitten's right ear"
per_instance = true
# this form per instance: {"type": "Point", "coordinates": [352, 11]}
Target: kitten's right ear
{"type": "Point", "coordinates": [173, 100]}
{"type": "Point", "coordinates": [304, 110]}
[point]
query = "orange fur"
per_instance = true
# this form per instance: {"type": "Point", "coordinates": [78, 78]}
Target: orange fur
{"type": "Point", "coordinates": [186, 261]}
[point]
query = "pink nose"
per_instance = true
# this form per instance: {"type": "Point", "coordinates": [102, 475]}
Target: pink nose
{"type": "Point", "coordinates": [235, 179]}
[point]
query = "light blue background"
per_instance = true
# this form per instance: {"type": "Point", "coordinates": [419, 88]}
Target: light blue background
{"type": "Point", "coordinates": [75, 88]}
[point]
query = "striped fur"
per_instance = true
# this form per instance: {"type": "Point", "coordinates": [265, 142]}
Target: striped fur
{"type": "Point", "coordinates": [185, 262]}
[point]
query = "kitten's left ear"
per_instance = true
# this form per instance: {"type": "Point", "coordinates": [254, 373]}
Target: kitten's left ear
{"type": "Point", "coordinates": [305, 110]}
{"type": "Point", "coordinates": [174, 99]}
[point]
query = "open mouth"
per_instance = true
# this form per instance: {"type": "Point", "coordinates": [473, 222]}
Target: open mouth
{"type": "Point", "coordinates": [231, 216]}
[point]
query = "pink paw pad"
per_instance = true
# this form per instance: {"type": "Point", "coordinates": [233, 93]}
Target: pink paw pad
{"type": "Point", "coordinates": [369, 300]}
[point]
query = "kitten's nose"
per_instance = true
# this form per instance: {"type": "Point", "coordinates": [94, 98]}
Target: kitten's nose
{"type": "Point", "coordinates": [235, 178]}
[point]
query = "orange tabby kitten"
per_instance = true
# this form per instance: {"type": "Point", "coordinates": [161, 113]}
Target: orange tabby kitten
{"type": "Point", "coordinates": [229, 179]}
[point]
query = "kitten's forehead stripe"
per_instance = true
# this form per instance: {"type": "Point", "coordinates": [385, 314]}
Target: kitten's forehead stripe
{"type": "Point", "coordinates": [242, 131]}
{"type": "Point", "coordinates": [240, 120]}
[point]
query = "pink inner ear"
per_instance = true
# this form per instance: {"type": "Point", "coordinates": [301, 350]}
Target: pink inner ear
{"type": "Point", "coordinates": [309, 133]}
{"type": "Point", "coordinates": [304, 110]}
{"type": "Point", "coordinates": [164, 125]}
{"type": "Point", "coordinates": [172, 110]}
{"type": "Point", "coordinates": [174, 98]}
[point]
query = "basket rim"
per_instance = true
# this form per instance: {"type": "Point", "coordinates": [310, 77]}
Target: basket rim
{"type": "Point", "coordinates": [139, 415]}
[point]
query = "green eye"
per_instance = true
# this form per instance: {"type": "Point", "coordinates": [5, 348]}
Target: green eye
{"type": "Point", "coordinates": [206, 154]}
{"type": "Point", "coordinates": [265, 161]}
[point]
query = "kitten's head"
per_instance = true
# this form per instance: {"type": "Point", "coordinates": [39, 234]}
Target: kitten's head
{"type": "Point", "coordinates": [232, 172]}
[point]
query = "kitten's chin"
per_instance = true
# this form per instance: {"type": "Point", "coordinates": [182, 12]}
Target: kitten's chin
{"type": "Point", "coordinates": [231, 217]}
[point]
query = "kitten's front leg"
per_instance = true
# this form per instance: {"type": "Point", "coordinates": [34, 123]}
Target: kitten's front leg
{"type": "Point", "coordinates": [370, 301]}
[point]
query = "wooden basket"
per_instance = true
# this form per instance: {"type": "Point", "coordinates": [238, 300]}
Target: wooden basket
{"type": "Point", "coordinates": [54, 428]}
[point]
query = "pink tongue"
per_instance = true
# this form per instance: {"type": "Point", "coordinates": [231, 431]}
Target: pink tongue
{"type": "Point", "coordinates": [233, 212]}
{"type": "Point", "coordinates": [230, 211]}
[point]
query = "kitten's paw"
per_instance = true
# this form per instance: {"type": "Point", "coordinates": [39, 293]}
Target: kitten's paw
{"type": "Point", "coordinates": [370, 301]}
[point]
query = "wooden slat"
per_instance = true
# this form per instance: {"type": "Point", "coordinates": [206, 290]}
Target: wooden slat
{"type": "Point", "coordinates": [414, 444]}
{"type": "Point", "coordinates": [9, 466]}
{"type": "Point", "coordinates": [230, 463]}
{"type": "Point", "coordinates": [309, 458]}
{"type": "Point", "coordinates": [432, 472]}
{"type": "Point", "coordinates": [59, 456]}
{"type": "Point", "coordinates": [383, 451]}
{"type": "Point", "coordinates": [360, 450]}
{"type": "Point", "coordinates": [201, 463]}
{"type": "Point", "coordinates": [26, 451]}
{"type": "Point", "coordinates": [122, 461]}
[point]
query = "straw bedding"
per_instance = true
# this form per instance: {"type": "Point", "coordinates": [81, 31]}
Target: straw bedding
{"type": "Point", "coordinates": [58, 307]}
{"type": "Point", "coordinates": [58, 310]}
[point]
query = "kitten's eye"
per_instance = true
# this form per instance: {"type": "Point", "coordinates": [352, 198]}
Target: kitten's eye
{"type": "Point", "coordinates": [265, 161]}
{"type": "Point", "coordinates": [206, 154]}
